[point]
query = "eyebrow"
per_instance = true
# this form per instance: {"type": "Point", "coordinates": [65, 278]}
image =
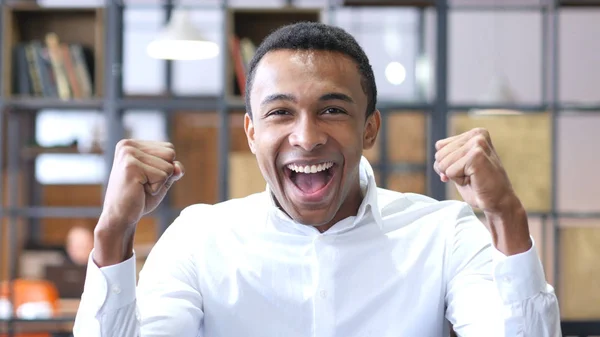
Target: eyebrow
{"type": "Point", "coordinates": [332, 96]}
{"type": "Point", "coordinates": [336, 96]}
{"type": "Point", "coordinates": [278, 97]}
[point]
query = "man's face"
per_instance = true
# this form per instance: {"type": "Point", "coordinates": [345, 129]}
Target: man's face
{"type": "Point", "coordinates": [308, 131]}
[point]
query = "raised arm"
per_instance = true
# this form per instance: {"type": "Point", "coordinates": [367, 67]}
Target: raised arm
{"type": "Point", "coordinates": [496, 283]}
{"type": "Point", "coordinates": [167, 302]}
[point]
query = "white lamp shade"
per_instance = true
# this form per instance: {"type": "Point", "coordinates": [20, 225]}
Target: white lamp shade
{"type": "Point", "coordinates": [180, 40]}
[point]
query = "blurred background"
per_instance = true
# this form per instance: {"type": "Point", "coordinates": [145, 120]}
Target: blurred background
{"type": "Point", "coordinates": [79, 76]}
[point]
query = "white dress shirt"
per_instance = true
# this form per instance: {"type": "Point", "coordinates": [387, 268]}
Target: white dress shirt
{"type": "Point", "coordinates": [405, 265]}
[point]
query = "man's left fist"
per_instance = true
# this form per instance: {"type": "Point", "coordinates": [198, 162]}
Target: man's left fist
{"type": "Point", "coordinates": [470, 161]}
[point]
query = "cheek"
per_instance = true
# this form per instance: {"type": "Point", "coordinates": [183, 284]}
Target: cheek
{"type": "Point", "coordinates": [351, 140]}
{"type": "Point", "coordinates": [267, 146]}
{"type": "Point", "coordinates": [267, 143]}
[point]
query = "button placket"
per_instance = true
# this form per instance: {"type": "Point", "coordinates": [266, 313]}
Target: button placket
{"type": "Point", "coordinates": [323, 298]}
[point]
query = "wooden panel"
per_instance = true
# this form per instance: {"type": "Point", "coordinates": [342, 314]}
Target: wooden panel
{"type": "Point", "coordinates": [523, 143]}
{"type": "Point", "coordinates": [71, 26]}
{"type": "Point", "coordinates": [99, 53]}
{"type": "Point", "coordinates": [387, 3]}
{"type": "Point", "coordinates": [54, 230]}
{"type": "Point", "coordinates": [373, 154]}
{"type": "Point", "coordinates": [245, 177]}
{"type": "Point", "coordinates": [407, 182]}
{"type": "Point", "coordinates": [146, 231]}
{"type": "Point", "coordinates": [5, 234]}
{"type": "Point", "coordinates": [579, 269]}
{"type": "Point", "coordinates": [72, 195]}
{"type": "Point", "coordinates": [238, 142]}
{"type": "Point", "coordinates": [8, 42]}
{"type": "Point", "coordinates": [407, 137]}
{"type": "Point", "coordinates": [257, 24]}
{"type": "Point", "coordinates": [195, 137]}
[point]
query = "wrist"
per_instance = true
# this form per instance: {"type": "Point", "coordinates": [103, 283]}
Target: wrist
{"type": "Point", "coordinates": [111, 246]}
{"type": "Point", "coordinates": [510, 228]}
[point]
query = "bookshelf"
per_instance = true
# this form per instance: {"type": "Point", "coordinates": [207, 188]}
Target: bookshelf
{"type": "Point", "coordinates": [52, 58]}
{"type": "Point", "coordinates": [248, 28]}
{"type": "Point", "coordinates": [80, 35]}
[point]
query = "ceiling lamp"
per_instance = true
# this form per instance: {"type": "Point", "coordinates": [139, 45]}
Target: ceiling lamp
{"type": "Point", "coordinates": [180, 40]}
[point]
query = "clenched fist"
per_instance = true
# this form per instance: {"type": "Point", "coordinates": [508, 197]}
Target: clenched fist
{"type": "Point", "coordinates": [141, 175]}
{"type": "Point", "coordinates": [470, 161]}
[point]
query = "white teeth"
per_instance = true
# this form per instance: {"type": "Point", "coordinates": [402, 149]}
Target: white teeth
{"type": "Point", "coordinates": [310, 168]}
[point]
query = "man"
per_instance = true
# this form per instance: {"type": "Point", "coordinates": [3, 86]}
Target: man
{"type": "Point", "coordinates": [79, 244]}
{"type": "Point", "coordinates": [323, 251]}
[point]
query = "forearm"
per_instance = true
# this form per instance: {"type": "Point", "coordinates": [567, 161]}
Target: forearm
{"type": "Point", "coordinates": [509, 228]}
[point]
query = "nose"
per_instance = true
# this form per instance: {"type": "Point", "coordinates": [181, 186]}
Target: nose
{"type": "Point", "coordinates": [307, 134]}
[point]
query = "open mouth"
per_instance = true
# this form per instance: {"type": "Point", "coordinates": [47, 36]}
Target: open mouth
{"type": "Point", "coordinates": [311, 179]}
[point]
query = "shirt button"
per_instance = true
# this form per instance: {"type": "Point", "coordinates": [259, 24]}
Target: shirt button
{"type": "Point", "coordinates": [323, 294]}
{"type": "Point", "coordinates": [116, 289]}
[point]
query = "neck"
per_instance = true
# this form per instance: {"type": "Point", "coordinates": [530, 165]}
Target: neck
{"type": "Point", "coordinates": [348, 208]}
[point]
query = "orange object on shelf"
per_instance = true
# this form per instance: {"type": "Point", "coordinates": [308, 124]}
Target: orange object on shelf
{"type": "Point", "coordinates": [28, 292]}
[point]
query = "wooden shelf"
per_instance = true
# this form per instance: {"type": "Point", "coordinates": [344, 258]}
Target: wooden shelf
{"type": "Point", "coordinates": [25, 23]}
{"type": "Point", "coordinates": [255, 25]}
{"type": "Point", "coordinates": [38, 103]}
{"type": "Point", "coordinates": [389, 3]}
{"type": "Point", "coordinates": [579, 3]}
{"type": "Point", "coordinates": [162, 102]}
{"type": "Point", "coordinates": [34, 151]}
{"type": "Point", "coordinates": [58, 324]}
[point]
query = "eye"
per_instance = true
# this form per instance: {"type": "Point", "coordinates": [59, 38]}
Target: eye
{"type": "Point", "coordinates": [333, 111]}
{"type": "Point", "coordinates": [278, 113]}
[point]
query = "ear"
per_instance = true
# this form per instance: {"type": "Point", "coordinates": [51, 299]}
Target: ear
{"type": "Point", "coordinates": [249, 129]}
{"type": "Point", "coordinates": [371, 130]}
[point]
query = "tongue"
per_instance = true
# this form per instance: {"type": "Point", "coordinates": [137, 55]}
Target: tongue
{"type": "Point", "coordinates": [311, 182]}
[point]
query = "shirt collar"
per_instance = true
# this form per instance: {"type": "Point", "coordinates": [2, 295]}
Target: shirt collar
{"type": "Point", "coordinates": [368, 206]}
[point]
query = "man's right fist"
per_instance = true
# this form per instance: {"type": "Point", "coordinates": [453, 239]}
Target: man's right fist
{"type": "Point", "coordinates": [141, 175]}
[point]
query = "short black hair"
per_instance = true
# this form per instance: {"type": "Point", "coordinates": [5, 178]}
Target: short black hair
{"type": "Point", "coordinates": [315, 36]}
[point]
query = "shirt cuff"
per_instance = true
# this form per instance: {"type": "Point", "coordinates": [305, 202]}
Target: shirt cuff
{"type": "Point", "coordinates": [520, 276]}
{"type": "Point", "coordinates": [110, 288]}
